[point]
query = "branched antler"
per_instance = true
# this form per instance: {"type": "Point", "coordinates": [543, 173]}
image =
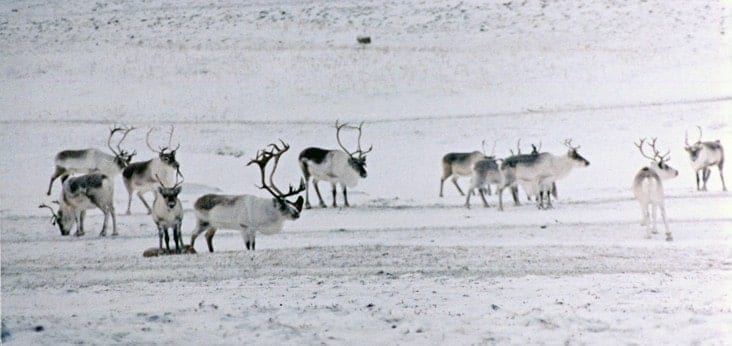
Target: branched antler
{"type": "Point", "coordinates": [568, 144]}
{"type": "Point", "coordinates": [54, 217]}
{"type": "Point", "coordinates": [114, 130]}
{"type": "Point", "coordinates": [162, 148]}
{"type": "Point", "coordinates": [264, 156]}
{"type": "Point", "coordinates": [656, 153]}
{"type": "Point", "coordinates": [493, 150]}
{"type": "Point", "coordinates": [358, 150]}
{"type": "Point", "coordinates": [177, 183]}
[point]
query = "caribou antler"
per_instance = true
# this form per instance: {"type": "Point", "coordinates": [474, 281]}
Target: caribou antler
{"type": "Point", "coordinates": [177, 183]}
{"type": "Point", "coordinates": [358, 151]}
{"type": "Point", "coordinates": [686, 136]}
{"type": "Point", "coordinates": [518, 146]}
{"type": "Point", "coordinates": [147, 140]}
{"type": "Point", "coordinates": [162, 148]}
{"type": "Point", "coordinates": [111, 134]}
{"type": "Point", "coordinates": [273, 151]}
{"type": "Point", "coordinates": [338, 137]}
{"type": "Point", "coordinates": [568, 144]}
{"type": "Point", "coordinates": [534, 149]}
{"type": "Point", "coordinates": [493, 150]}
{"type": "Point", "coordinates": [54, 217]}
{"type": "Point", "coordinates": [361, 153]}
{"type": "Point", "coordinates": [170, 140]}
{"type": "Point", "coordinates": [656, 153]}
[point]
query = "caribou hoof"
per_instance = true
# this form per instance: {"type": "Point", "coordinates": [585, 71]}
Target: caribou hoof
{"type": "Point", "coordinates": [669, 238]}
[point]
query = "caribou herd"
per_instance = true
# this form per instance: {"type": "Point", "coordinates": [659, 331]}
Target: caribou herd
{"type": "Point", "coordinates": [536, 173]}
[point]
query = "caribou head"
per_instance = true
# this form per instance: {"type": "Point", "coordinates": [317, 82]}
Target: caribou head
{"type": "Point", "coordinates": [659, 162]}
{"type": "Point", "coordinates": [121, 157]}
{"type": "Point", "coordinates": [170, 194]}
{"type": "Point", "coordinates": [165, 153]}
{"type": "Point", "coordinates": [286, 207]}
{"type": "Point", "coordinates": [358, 157]}
{"type": "Point", "coordinates": [574, 155]}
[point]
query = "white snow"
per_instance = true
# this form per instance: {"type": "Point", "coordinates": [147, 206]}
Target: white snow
{"type": "Point", "coordinates": [402, 266]}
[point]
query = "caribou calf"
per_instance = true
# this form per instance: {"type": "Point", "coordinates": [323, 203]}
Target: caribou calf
{"type": "Point", "coordinates": [246, 213]}
{"type": "Point", "coordinates": [704, 155]}
{"type": "Point", "coordinates": [82, 193]}
{"type": "Point", "coordinates": [648, 187]}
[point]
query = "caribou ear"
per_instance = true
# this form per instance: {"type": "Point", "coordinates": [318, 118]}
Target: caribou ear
{"type": "Point", "coordinates": [177, 189]}
{"type": "Point", "coordinates": [298, 204]}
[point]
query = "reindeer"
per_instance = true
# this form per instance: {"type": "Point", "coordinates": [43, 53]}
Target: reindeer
{"type": "Point", "coordinates": [82, 193]}
{"type": "Point", "coordinates": [167, 212]}
{"type": "Point", "coordinates": [141, 176]}
{"type": "Point", "coordinates": [247, 213]}
{"type": "Point", "coordinates": [485, 173]}
{"type": "Point", "coordinates": [537, 172]}
{"type": "Point", "coordinates": [704, 155]}
{"type": "Point", "coordinates": [519, 157]}
{"type": "Point", "coordinates": [457, 165]}
{"type": "Point", "coordinates": [335, 166]}
{"type": "Point", "coordinates": [648, 187]}
{"type": "Point", "coordinates": [93, 160]}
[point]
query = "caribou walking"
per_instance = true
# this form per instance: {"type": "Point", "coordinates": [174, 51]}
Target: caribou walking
{"type": "Point", "coordinates": [537, 173]}
{"type": "Point", "coordinates": [648, 187]}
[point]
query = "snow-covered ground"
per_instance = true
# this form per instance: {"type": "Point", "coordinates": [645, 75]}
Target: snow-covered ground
{"type": "Point", "coordinates": [402, 265]}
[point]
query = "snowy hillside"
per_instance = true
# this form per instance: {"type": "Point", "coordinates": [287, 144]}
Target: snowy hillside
{"type": "Point", "coordinates": [402, 266]}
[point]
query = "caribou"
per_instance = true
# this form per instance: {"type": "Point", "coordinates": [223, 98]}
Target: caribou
{"type": "Point", "coordinates": [141, 176]}
{"type": "Point", "coordinates": [648, 187]}
{"type": "Point", "coordinates": [485, 173]}
{"type": "Point", "coordinates": [342, 167]}
{"type": "Point", "coordinates": [82, 193]}
{"type": "Point", "coordinates": [167, 212]}
{"type": "Point", "coordinates": [457, 165]}
{"type": "Point", "coordinates": [246, 213]}
{"type": "Point", "coordinates": [536, 173]}
{"type": "Point", "coordinates": [87, 161]}
{"type": "Point", "coordinates": [704, 155]}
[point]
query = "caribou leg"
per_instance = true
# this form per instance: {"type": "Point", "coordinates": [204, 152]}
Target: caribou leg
{"type": "Point", "coordinates": [139, 194]}
{"type": "Point", "coordinates": [57, 173]}
{"type": "Point", "coordinates": [345, 197]}
{"type": "Point", "coordinates": [721, 175]}
{"type": "Point", "coordinates": [317, 190]}
{"type": "Point", "coordinates": [454, 181]}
